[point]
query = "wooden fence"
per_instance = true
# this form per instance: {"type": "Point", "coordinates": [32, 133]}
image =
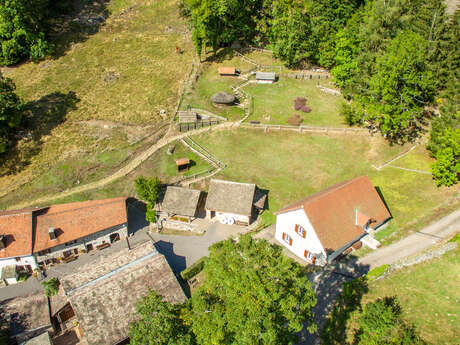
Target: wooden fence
{"type": "Point", "coordinates": [185, 127]}
{"type": "Point", "coordinates": [304, 129]}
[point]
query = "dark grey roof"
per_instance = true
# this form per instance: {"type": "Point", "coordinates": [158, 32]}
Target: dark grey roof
{"type": "Point", "coordinates": [259, 199]}
{"type": "Point", "coordinates": [104, 292]}
{"type": "Point", "coordinates": [187, 116]}
{"type": "Point", "coordinates": [231, 197]}
{"type": "Point", "coordinates": [223, 98]}
{"type": "Point", "coordinates": [42, 339]}
{"type": "Point", "coordinates": [181, 201]}
{"type": "Point", "coordinates": [266, 76]}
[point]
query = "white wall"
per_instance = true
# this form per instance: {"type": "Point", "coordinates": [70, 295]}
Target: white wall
{"type": "Point", "coordinates": [236, 217]}
{"type": "Point", "coordinates": [286, 223]}
{"type": "Point", "coordinates": [23, 261]}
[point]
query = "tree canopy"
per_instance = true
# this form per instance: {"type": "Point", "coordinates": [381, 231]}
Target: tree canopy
{"type": "Point", "coordinates": [23, 30]}
{"type": "Point", "coordinates": [50, 287]}
{"type": "Point", "coordinates": [148, 189]}
{"type": "Point", "coordinates": [10, 110]}
{"type": "Point", "coordinates": [252, 294]}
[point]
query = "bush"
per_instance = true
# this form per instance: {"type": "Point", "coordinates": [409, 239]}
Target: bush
{"type": "Point", "coordinates": [151, 216]}
{"type": "Point", "coordinates": [194, 269]}
{"type": "Point", "coordinates": [350, 114]}
{"type": "Point", "coordinates": [295, 120]}
{"type": "Point", "coordinates": [148, 189]}
{"type": "Point", "coordinates": [305, 109]}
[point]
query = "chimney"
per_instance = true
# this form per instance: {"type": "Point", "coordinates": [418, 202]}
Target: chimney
{"type": "Point", "coordinates": [2, 241]}
{"type": "Point", "coordinates": [52, 233]}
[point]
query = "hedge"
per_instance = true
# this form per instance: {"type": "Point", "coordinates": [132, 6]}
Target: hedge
{"type": "Point", "coordinates": [194, 269]}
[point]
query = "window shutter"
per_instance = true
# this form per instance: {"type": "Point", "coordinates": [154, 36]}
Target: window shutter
{"type": "Point", "coordinates": [296, 227]}
{"type": "Point", "coordinates": [305, 253]}
{"type": "Point", "coordinates": [304, 233]}
{"type": "Point", "coordinates": [284, 235]}
{"type": "Point", "coordinates": [313, 259]}
{"type": "Point", "coordinates": [290, 241]}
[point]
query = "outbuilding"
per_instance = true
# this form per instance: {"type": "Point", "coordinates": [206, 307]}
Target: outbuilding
{"type": "Point", "coordinates": [182, 164]}
{"type": "Point", "coordinates": [187, 116]}
{"type": "Point", "coordinates": [265, 77]}
{"type": "Point", "coordinates": [228, 71]}
{"type": "Point", "coordinates": [180, 204]}
{"type": "Point", "coordinates": [233, 202]}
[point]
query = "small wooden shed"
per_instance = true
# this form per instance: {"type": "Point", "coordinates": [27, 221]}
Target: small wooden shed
{"type": "Point", "coordinates": [187, 116]}
{"type": "Point", "coordinates": [227, 71]}
{"type": "Point", "coordinates": [265, 77]}
{"type": "Point", "coordinates": [182, 164]}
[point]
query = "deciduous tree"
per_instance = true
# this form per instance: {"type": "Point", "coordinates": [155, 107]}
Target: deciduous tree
{"type": "Point", "coordinates": [10, 110]}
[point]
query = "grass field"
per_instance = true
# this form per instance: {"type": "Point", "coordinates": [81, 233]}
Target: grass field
{"type": "Point", "coordinates": [292, 166]}
{"type": "Point", "coordinates": [90, 106]}
{"type": "Point", "coordinates": [272, 103]}
{"type": "Point", "coordinates": [275, 103]}
{"type": "Point", "coordinates": [429, 297]}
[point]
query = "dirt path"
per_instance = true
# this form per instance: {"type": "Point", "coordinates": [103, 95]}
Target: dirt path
{"type": "Point", "coordinates": [133, 164]}
{"type": "Point", "coordinates": [418, 241]}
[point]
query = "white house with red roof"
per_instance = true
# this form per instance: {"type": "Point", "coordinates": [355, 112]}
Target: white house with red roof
{"type": "Point", "coordinates": [322, 226]}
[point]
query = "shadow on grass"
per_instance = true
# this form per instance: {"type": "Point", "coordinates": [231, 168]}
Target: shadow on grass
{"type": "Point", "coordinates": [39, 119]}
{"type": "Point", "coordinates": [74, 22]}
{"type": "Point", "coordinates": [222, 55]}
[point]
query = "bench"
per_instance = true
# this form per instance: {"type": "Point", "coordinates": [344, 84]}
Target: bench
{"type": "Point", "coordinates": [102, 246]}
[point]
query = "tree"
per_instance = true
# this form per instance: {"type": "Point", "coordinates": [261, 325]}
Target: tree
{"type": "Point", "coordinates": [219, 23]}
{"type": "Point", "coordinates": [50, 289]}
{"type": "Point", "coordinates": [148, 189]}
{"type": "Point", "coordinates": [22, 30]}
{"type": "Point", "coordinates": [252, 294]}
{"type": "Point", "coordinates": [380, 323]}
{"type": "Point", "coordinates": [10, 110]}
{"type": "Point", "coordinates": [159, 323]}
{"type": "Point", "coordinates": [400, 88]}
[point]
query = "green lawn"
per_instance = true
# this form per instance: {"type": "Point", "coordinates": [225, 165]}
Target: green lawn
{"type": "Point", "coordinates": [82, 126]}
{"type": "Point", "coordinates": [429, 294]}
{"type": "Point", "coordinates": [292, 166]}
{"type": "Point", "coordinates": [274, 103]}
{"type": "Point", "coordinates": [210, 82]}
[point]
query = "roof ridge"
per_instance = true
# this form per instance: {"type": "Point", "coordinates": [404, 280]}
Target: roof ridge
{"type": "Point", "coordinates": [301, 203]}
{"type": "Point", "coordinates": [107, 202]}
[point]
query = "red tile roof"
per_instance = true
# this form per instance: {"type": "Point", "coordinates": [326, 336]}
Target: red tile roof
{"type": "Point", "coordinates": [226, 70]}
{"type": "Point", "coordinates": [76, 220]}
{"type": "Point", "coordinates": [332, 212]}
{"type": "Point", "coordinates": [72, 221]}
{"type": "Point", "coordinates": [16, 226]}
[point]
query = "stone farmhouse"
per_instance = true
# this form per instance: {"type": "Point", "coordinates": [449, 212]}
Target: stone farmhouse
{"type": "Point", "coordinates": [41, 236]}
{"type": "Point", "coordinates": [234, 202]}
{"type": "Point", "coordinates": [324, 225]}
{"type": "Point", "coordinates": [103, 295]}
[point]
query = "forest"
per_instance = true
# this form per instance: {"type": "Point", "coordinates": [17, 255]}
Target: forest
{"type": "Point", "coordinates": [396, 61]}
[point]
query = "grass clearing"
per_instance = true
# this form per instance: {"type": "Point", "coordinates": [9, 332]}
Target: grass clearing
{"type": "Point", "coordinates": [429, 296]}
{"type": "Point", "coordinates": [274, 103]}
{"type": "Point", "coordinates": [118, 79]}
{"type": "Point", "coordinates": [292, 166]}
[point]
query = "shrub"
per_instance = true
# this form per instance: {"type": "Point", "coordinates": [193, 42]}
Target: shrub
{"type": "Point", "coordinates": [148, 189]}
{"type": "Point", "coordinates": [295, 120]}
{"type": "Point", "coordinates": [194, 269]}
{"type": "Point", "coordinates": [151, 216]}
{"type": "Point", "coordinates": [305, 109]}
{"type": "Point", "coordinates": [351, 115]}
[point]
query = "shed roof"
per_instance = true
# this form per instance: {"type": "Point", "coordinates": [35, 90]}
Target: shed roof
{"type": "Point", "coordinates": [104, 294]}
{"type": "Point", "coordinates": [332, 212]}
{"type": "Point", "coordinates": [187, 116]}
{"type": "Point", "coordinates": [77, 219]}
{"type": "Point", "coordinates": [266, 76]}
{"type": "Point", "coordinates": [226, 70]}
{"type": "Point", "coordinates": [9, 272]}
{"type": "Point", "coordinates": [181, 201]}
{"type": "Point", "coordinates": [231, 197]}
{"type": "Point", "coordinates": [182, 161]}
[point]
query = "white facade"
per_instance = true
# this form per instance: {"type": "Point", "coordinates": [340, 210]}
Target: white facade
{"type": "Point", "coordinates": [295, 242]}
{"type": "Point", "coordinates": [228, 218]}
{"type": "Point", "coordinates": [27, 260]}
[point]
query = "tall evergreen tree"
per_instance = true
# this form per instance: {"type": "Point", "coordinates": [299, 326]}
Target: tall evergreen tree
{"type": "Point", "coordinates": [10, 110]}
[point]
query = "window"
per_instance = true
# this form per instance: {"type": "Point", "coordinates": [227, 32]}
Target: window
{"type": "Point", "coordinates": [287, 238]}
{"type": "Point", "coordinates": [309, 256]}
{"type": "Point", "coordinates": [300, 230]}
{"type": "Point", "coordinates": [18, 259]}
{"type": "Point", "coordinates": [70, 243]}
